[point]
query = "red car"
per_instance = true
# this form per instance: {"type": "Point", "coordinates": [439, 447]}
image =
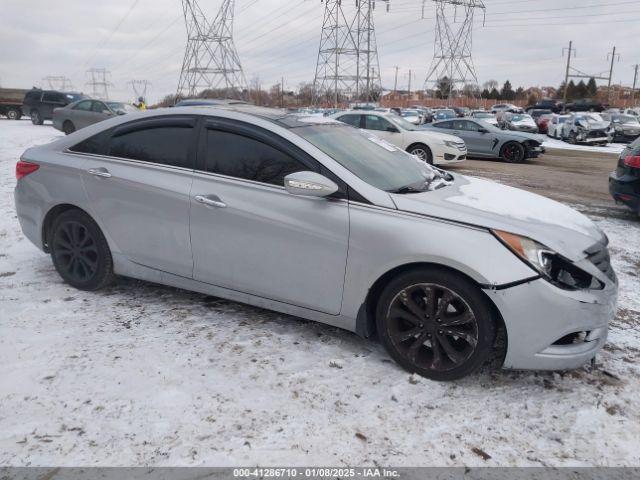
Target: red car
{"type": "Point", "coordinates": [543, 123]}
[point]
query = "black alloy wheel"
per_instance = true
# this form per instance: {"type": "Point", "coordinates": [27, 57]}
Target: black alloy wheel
{"type": "Point", "coordinates": [513, 152]}
{"type": "Point", "coordinates": [437, 325]}
{"type": "Point", "coordinates": [80, 252]}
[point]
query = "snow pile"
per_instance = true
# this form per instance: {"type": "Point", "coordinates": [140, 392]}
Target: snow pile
{"type": "Point", "coordinates": [141, 374]}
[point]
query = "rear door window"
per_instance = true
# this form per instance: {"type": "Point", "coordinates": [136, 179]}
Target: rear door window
{"type": "Point", "coordinates": [84, 106]}
{"type": "Point", "coordinates": [353, 120]}
{"type": "Point", "coordinates": [374, 122]}
{"type": "Point", "coordinates": [166, 142]}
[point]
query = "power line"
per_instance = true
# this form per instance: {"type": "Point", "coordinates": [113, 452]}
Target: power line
{"type": "Point", "coordinates": [99, 83]}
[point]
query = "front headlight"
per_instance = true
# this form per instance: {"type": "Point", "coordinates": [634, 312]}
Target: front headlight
{"type": "Point", "coordinates": [550, 265]}
{"type": "Point", "coordinates": [451, 143]}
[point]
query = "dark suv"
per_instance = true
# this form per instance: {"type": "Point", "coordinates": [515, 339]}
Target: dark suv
{"type": "Point", "coordinates": [585, 105]}
{"type": "Point", "coordinates": [546, 104]}
{"type": "Point", "coordinates": [39, 104]}
{"type": "Point", "coordinates": [624, 181]}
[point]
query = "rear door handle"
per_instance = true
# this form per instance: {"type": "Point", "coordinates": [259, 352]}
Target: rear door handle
{"type": "Point", "coordinates": [210, 200]}
{"type": "Point", "coordinates": [100, 172]}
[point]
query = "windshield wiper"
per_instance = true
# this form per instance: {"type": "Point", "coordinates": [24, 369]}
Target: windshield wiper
{"type": "Point", "coordinates": [406, 189]}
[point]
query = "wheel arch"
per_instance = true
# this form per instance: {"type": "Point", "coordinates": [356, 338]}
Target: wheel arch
{"type": "Point", "coordinates": [50, 217]}
{"type": "Point", "coordinates": [366, 321]}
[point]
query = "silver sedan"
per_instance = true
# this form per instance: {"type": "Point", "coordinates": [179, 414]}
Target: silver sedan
{"type": "Point", "coordinates": [317, 219]}
{"type": "Point", "coordinates": [86, 112]}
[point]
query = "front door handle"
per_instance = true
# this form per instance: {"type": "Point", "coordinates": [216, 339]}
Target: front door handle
{"type": "Point", "coordinates": [210, 200]}
{"type": "Point", "coordinates": [100, 172]}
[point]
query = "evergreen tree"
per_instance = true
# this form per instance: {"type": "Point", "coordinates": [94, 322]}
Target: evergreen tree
{"type": "Point", "coordinates": [571, 91]}
{"type": "Point", "coordinates": [592, 88]}
{"type": "Point", "coordinates": [581, 90]}
{"type": "Point", "coordinates": [507, 92]}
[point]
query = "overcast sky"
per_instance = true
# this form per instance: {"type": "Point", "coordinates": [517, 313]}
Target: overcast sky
{"type": "Point", "coordinates": [522, 40]}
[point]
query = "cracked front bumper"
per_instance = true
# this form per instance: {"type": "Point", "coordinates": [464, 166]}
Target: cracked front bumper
{"type": "Point", "coordinates": [537, 315]}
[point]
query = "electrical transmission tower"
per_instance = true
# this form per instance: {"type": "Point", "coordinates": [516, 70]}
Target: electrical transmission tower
{"type": "Point", "coordinates": [139, 88]}
{"type": "Point", "coordinates": [452, 60]}
{"type": "Point", "coordinates": [347, 66]}
{"type": "Point", "coordinates": [210, 59]}
{"type": "Point", "coordinates": [58, 82]}
{"type": "Point", "coordinates": [99, 83]}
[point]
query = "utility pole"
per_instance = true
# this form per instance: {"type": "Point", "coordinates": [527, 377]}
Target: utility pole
{"type": "Point", "coordinates": [395, 82]}
{"type": "Point", "coordinates": [613, 58]}
{"type": "Point", "coordinates": [282, 92]}
{"type": "Point", "coordinates": [569, 51]}
{"type": "Point", "coordinates": [409, 84]}
{"type": "Point", "coordinates": [635, 81]}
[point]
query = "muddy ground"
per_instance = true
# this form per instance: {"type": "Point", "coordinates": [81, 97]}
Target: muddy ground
{"type": "Point", "coordinates": [574, 177]}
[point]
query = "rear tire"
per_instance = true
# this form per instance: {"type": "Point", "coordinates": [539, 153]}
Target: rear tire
{"type": "Point", "coordinates": [513, 152]}
{"type": "Point", "coordinates": [80, 252]}
{"type": "Point", "coordinates": [36, 118]}
{"type": "Point", "coordinates": [421, 151]}
{"type": "Point", "coordinates": [435, 323]}
{"type": "Point", "coordinates": [68, 127]}
{"type": "Point", "coordinates": [13, 114]}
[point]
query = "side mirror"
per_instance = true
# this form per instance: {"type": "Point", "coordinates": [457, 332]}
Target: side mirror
{"type": "Point", "coordinates": [309, 184]}
{"type": "Point", "coordinates": [392, 129]}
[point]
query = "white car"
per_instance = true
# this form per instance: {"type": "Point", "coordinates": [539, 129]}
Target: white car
{"type": "Point", "coordinates": [485, 116]}
{"type": "Point", "coordinates": [554, 127]}
{"type": "Point", "coordinates": [413, 116]}
{"type": "Point", "coordinates": [432, 147]}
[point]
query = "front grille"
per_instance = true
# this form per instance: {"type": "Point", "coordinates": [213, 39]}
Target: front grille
{"type": "Point", "coordinates": [598, 254]}
{"type": "Point", "coordinates": [461, 146]}
{"type": "Point", "coordinates": [596, 134]}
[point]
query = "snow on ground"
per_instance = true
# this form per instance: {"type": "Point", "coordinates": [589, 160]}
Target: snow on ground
{"type": "Point", "coordinates": [141, 374]}
{"type": "Point", "coordinates": [615, 148]}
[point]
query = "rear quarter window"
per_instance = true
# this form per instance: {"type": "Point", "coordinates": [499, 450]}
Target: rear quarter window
{"type": "Point", "coordinates": [95, 145]}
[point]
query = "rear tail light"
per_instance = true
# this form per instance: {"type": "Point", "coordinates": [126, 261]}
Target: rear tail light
{"type": "Point", "coordinates": [25, 168]}
{"type": "Point", "coordinates": [632, 161]}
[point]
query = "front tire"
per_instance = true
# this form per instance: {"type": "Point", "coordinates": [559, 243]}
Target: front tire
{"type": "Point", "coordinates": [435, 323]}
{"type": "Point", "coordinates": [80, 252]}
{"type": "Point", "coordinates": [513, 152]}
{"type": "Point", "coordinates": [421, 151]}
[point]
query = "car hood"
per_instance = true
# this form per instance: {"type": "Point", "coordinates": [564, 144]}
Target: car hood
{"type": "Point", "coordinates": [594, 125]}
{"type": "Point", "coordinates": [491, 205]}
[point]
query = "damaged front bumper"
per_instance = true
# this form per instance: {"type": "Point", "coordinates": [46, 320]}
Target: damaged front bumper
{"type": "Point", "coordinates": [549, 328]}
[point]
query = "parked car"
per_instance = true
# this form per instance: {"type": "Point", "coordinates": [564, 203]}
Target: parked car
{"type": "Point", "coordinates": [635, 112]}
{"type": "Point", "coordinates": [443, 114]}
{"type": "Point", "coordinates": [40, 104]}
{"type": "Point", "coordinates": [461, 112]}
{"type": "Point", "coordinates": [506, 107]}
{"type": "Point", "coordinates": [86, 112]}
{"type": "Point", "coordinates": [543, 122]}
{"type": "Point", "coordinates": [626, 128]}
{"type": "Point", "coordinates": [431, 147]}
{"type": "Point", "coordinates": [588, 128]}
{"type": "Point", "coordinates": [519, 122]}
{"type": "Point", "coordinates": [555, 125]}
{"type": "Point", "coordinates": [11, 102]}
{"type": "Point", "coordinates": [554, 106]}
{"type": "Point", "coordinates": [412, 116]}
{"type": "Point", "coordinates": [585, 105]}
{"type": "Point", "coordinates": [486, 141]}
{"type": "Point", "coordinates": [624, 181]}
{"type": "Point", "coordinates": [344, 229]}
{"type": "Point", "coordinates": [538, 112]}
{"type": "Point", "coordinates": [485, 116]}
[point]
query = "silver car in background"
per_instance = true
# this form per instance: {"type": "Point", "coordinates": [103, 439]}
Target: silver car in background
{"type": "Point", "coordinates": [86, 112]}
{"type": "Point", "coordinates": [314, 218]}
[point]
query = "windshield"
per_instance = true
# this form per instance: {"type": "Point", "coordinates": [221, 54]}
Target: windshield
{"type": "Point", "coordinates": [121, 107]}
{"type": "Point", "coordinates": [482, 115]}
{"type": "Point", "coordinates": [520, 118]}
{"type": "Point", "coordinates": [402, 123]}
{"type": "Point", "coordinates": [625, 119]}
{"type": "Point", "coordinates": [372, 159]}
{"type": "Point", "coordinates": [442, 114]}
{"type": "Point", "coordinates": [589, 118]}
{"type": "Point", "coordinates": [410, 113]}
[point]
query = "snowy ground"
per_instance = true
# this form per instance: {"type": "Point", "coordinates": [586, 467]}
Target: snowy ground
{"type": "Point", "coordinates": [559, 144]}
{"type": "Point", "coordinates": [141, 374]}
